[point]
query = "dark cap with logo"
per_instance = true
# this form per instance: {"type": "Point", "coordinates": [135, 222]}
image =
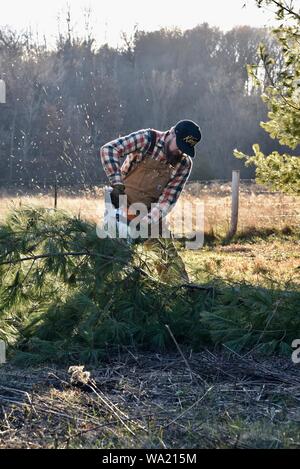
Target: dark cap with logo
{"type": "Point", "coordinates": [188, 133]}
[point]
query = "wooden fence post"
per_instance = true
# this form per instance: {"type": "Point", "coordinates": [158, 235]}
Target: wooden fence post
{"type": "Point", "coordinates": [55, 193]}
{"type": "Point", "coordinates": [234, 204]}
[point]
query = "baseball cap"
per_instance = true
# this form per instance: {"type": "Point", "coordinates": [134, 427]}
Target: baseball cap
{"type": "Point", "coordinates": [188, 133]}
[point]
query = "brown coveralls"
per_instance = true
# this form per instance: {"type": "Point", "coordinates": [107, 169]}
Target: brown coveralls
{"type": "Point", "coordinates": [145, 183]}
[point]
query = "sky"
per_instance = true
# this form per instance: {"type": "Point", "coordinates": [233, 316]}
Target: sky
{"type": "Point", "coordinates": [109, 18]}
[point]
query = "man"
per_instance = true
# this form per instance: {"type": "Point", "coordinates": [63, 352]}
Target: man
{"type": "Point", "coordinates": [156, 168]}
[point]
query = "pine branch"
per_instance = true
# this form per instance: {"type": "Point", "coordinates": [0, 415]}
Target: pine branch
{"type": "Point", "coordinates": [76, 254]}
{"type": "Point", "coordinates": [44, 256]}
{"type": "Point", "coordinates": [191, 286]}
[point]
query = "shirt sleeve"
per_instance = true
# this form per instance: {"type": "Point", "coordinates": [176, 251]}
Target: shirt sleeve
{"type": "Point", "coordinates": [170, 194]}
{"type": "Point", "coordinates": [111, 152]}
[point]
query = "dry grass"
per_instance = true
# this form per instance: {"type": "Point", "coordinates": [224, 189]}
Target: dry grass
{"type": "Point", "coordinates": [268, 263]}
{"type": "Point", "coordinates": [154, 401]}
{"type": "Point", "coordinates": [88, 204]}
{"type": "Point", "coordinates": [258, 208]}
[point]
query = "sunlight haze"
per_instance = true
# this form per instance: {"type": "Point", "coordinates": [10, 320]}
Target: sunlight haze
{"type": "Point", "coordinates": [109, 19]}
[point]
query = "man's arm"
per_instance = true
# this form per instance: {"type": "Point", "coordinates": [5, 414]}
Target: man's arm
{"type": "Point", "coordinates": [170, 194]}
{"type": "Point", "coordinates": [111, 152]}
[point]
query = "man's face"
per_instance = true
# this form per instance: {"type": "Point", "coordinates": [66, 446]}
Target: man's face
{"type": "Point", "coordinates": [173, 153]}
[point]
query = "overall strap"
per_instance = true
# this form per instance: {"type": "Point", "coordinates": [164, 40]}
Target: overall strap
{"type": "Point", "coordinates": [152, 142]}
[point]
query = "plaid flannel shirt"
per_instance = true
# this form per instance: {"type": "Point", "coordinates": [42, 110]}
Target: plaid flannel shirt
{"type": "Point", "coordinates": [134, 146]}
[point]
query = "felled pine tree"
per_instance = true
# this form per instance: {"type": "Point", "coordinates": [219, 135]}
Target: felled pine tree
{"type": "Point", "coordinates": [68, 296]}
{"type": "Point", "coordinates": [279, 171]}
{"type": "Point", "coordinates": [64, 291]}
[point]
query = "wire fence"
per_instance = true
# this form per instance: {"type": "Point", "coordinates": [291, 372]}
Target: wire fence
{"type": "Point", "coordinates": [24, 186]}
{"type": "Point", "coordinates": [258, 205]}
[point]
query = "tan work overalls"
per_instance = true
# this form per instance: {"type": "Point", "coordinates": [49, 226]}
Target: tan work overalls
{"type": "Point", "coordinates": [145, 183]}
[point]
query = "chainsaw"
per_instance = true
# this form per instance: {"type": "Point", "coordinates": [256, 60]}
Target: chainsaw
{"type": "Point", "coordinates": [116, 220]}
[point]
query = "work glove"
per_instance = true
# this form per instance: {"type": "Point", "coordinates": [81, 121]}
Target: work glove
{"type": "Point", "coordinates": [118, 189]}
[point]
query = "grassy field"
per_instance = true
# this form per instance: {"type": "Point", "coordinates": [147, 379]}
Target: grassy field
{"type": "Point", "coordinates": [224, 380]}
{"type": "Point", "coordinates": [259, 208]}
{"type": "Point", "coordinates": [269, 260]}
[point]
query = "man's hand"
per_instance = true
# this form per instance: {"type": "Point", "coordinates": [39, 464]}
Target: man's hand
{"type": "Point", "coordinates": [118, 189]}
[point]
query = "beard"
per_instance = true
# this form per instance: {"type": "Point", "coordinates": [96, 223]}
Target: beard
{"type": "Point", "coordinates": [173, 158]}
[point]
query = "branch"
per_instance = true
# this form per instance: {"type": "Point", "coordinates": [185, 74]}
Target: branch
{"type": "Point", "coordinates": [195, 286]}
{"type": "Point", "coordinates": [103, 256]}
{"type": "Point", "coordinates": [287, 9]}
{"type": "Point", "coordinates": [75, 253]}
{"type": "Point", "coordinates": [44, 256]}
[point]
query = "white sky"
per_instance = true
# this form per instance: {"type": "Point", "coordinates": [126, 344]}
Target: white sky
{"type": "Point", "coordinates": [110, 17]}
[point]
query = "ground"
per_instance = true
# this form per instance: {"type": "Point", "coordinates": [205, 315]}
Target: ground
{"type": "Point", "coordinates": [208, 400]}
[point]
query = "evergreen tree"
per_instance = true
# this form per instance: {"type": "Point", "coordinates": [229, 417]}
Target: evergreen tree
{"type": "Point", "coordinates": [281, 93]}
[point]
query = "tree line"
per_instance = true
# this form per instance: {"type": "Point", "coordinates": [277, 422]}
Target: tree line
{"type": "Point", "coordinates": [63, 103]}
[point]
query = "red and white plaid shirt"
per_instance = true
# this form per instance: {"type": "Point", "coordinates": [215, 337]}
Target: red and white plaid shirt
{"type": "Point", "coordinates": [134, 146]}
